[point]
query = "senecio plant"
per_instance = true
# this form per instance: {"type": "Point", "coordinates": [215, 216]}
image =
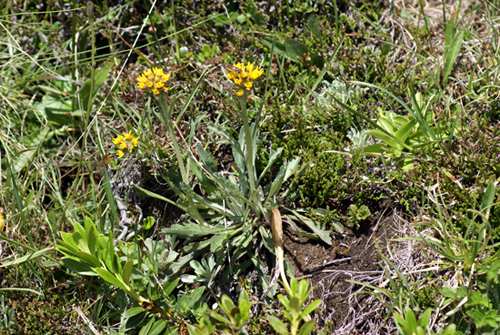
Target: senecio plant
{"type": "Point", "coordinates": [224, 223]}
{"type": "Point", "coordinates": [226, 217]}
{"type": "Point", "coordinates": [229, 213]}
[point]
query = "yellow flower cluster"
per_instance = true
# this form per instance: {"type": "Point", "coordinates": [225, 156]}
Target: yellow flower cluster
{"type": "Point", "coordinates": [125, 142]}
{"type": "Point", "coordinates": [153, 79]}
{"type": "Point", "coordinates": [244, 76]}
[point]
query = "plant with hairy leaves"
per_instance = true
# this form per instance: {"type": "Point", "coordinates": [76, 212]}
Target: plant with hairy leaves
{"type": "Point", "coordinates": [226, 217]}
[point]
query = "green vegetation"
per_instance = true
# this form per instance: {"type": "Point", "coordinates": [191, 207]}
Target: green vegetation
{"type": "Point", "coordinates": [148, 153]}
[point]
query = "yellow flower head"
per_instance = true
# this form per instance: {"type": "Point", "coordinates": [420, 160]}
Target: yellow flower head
{"type": "Point", "coordinates": [244, 76]}
{"type": "Point", "coordinates": [127, 141]}
{"type": "Point", "coordinates": [153, 79]}
{"type": "Point", "coordinates": [118, 140]}
{"type": "Point", "coordinates": [1, 221]}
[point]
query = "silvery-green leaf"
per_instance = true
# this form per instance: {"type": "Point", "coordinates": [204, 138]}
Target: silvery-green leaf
{"type": "Point", "coordinates": [323, 235]}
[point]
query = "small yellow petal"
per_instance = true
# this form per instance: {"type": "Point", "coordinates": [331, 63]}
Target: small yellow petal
{"type": "Point", "coordinates": [135, 141]}
{"type": "Point", "coordinates": [240, 92]}
{"type": "Point", "coordinates": [120, 153]}
{"type": "Point", "coordinates": [118, 140]}
{"type": "Point", "coordinates": [128, 136]}
{"type": "Point", "coordinates": [248, 85]}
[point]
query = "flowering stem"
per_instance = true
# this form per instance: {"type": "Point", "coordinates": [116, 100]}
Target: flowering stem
{"type": "Point", "coordinates": [170, 130]}
{"type": "Point", "coordinates": [249, 147]}
{"type": "Point", "coordinates": [180, 159]}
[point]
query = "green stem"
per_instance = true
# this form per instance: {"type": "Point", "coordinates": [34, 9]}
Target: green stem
{"type": "Point", "coordinates": [249, 145]}
{"type": "Point", "coordinates": [180, 160]}
{"type": "Point", "coordinates": [171, 133]}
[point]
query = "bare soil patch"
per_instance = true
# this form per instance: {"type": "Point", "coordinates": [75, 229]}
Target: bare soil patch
{"type": "Point", "coordinates": [352, 256]}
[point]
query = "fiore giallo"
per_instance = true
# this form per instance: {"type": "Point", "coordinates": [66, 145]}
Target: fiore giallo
{"type": "Point", "coordinates": [153, 79]}
{"type": "Point", "coordinates": [125, 142]}
{"type": "Point", "coordinates": [243, 76]}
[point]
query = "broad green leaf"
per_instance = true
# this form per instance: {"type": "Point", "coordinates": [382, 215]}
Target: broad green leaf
{"type": "Point", "coordinates": [88, 259]}
{"type": "Point", "coordinates": [400, 320]}
{"type": "Point", "coordinates": [311, 307]}
{"type": "Point", "coordinates": [174, 330]}
{"type": "Point", "coordinates": [107, 254]}
{"type": "Point", "coordinates": [488, 197]}
{"type": "Point", "coordinates": [135, 320]}
{"type": "Point", "coordinates": [91, 235]}
{"type": "Point", "coordinates": [279, 48]}
{"type": "Point", "coordinates": [295, 307]}
{"type": "Point", "coordinates": [292, 167]}
{"type": "Point", "coordinates": [451, 55]}
{"type": "Point", "coordinates": [242, 18]}
{"type": "Point", "coordinates": [424, 319]}
{"type": "Point", "coordinates": [226, 304]}
{"type": "Point", "coordinates": [410, 319]}
{"type": "Point", "coordinates": [295, 49]}
{"type": "Point", "coordinates": [67, 242]}
{"type": "Point", "coordinates": [78, 267]}
{"type": "Point", "coordinates": [99, 78]}
{"type": "Point", "coordinates": [449, 330]}
{"type": "Point", "coordinates": [313, 25]}
{"type": "Point", "coordinates": [243, 297]}
{"type": "Point", "coordinates": [276, 184]}
{"type": "Point", "coordinates": [32, 142]}
{"type": "Point", "coordinates": [389, 139]}
{"type": "Point", "coordinates": [196, 246]}
{"type": "Point", "coordinates": [206, 50]}
{"type": "Point", "coordinates": [406, 130]}
{"type": "Point", "coordinates": [34, 139]}
{"type": "Point", "coordinates": [175, 267]}
{"type": "Point", "coordinates": [306, 328]}
{"type": "Point", "coordinates": [145, 329]}
{"type": "Point", "coordinates": [78, 228]}
{"type": "Point", "coordinates": [127, 271]}
{"type": "Point", "coordinates": [157, 327]}
{"type": "Point", "coordinates": [81, 241]}
{"type": "Point", "coordinates": [148, 223]}
{"type": "Point", "coordinates": [57, 110]}
{"type": "Point", "coordinates": [111, 278]}
{"type": "Point", "coordinates": [257, 16]}
{"type": "Point", "coordinates": [484, 318]}
{"type": "Point", "coordinates": [133, 311]}
{"type": "Point", "coordinates": [277, 324]}
{"type": "Point", "coordinates": [170, 285]}
{"type": "Point", "coordinates": [449, 34]}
